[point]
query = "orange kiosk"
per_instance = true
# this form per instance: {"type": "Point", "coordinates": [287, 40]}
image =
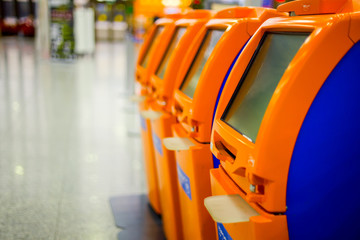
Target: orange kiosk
{"type": "Point", "coordinates": [286, 129]}
{"type": "Point", "coordinates": [184, 30]}
{"type": "Point", "coordinates": [220, 41]}
{"type": "Point", "coordinates": [148, 58]}
{"type": "Point", "coordinates": [155, 44]}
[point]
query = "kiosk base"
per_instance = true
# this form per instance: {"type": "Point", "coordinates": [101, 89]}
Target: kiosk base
{"type": "Point", "coordinates": [149, 157]}
{"type": "Point", "coordinates": [167, 175]}
{"type": "Point", "coordinates": [266, 226]}
{"type": "Point", "coordinates": [193, 168]}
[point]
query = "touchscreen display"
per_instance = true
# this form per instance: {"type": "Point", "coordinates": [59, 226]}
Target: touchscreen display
{"type": "Point", "coordinates": [179, 32]}
{"type": "Point", "coordinates": [252, 96]}
{"type": "Point", "coordinates": [150, 48]}
{"type": "Point", "coordinates": [192, 76]}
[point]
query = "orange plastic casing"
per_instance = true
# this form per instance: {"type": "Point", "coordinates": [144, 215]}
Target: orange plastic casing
{"type": "Point", "coordinates": [193, 22]}
{"type": "Point", "coordinates": [240, 23]}
{"type": "Point", "coordinates": [265, 163]}
{"type": "Point", "coordinates": [153, 48]}
{"type": "Point", "coordinates": [142, 76]}
{"type": "Point", "coordinates": [195, 115]}
{"type": "Point", "coordinates": [154, 56]}
{"type": "Point", "coordinates": [263, 227]}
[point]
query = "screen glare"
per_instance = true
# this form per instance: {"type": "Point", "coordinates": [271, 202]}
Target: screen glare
{"type": "Point", "coordinates": [150, 48]}
{"type": "Point", "coordinates": [192, 77]}
{"type": "Point", "coordinates": [249, 103]}
{"type": "Point", "coordinates": [174, 42]}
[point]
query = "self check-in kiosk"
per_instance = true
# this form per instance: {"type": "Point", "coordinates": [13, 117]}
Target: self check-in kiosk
{"type": "Point", "coordinates": [184, 30]}
{"type": "Point", "coordinates": [286, 126]}
{"type": "Point", "coordinates": [158, 36]}
{"type": "Point", "coordinates": [212, 52]}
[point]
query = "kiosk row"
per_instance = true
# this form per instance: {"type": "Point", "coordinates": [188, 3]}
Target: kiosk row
{"type": "Point", "coordinates": [250, 118]}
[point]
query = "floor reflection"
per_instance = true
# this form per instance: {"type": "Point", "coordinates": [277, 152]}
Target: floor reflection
{"type": "Point", "coordinates": [69, 140]}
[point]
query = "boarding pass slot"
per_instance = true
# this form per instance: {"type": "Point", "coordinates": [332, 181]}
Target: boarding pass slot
{"type": "Point", "coordinates": [224, 153]}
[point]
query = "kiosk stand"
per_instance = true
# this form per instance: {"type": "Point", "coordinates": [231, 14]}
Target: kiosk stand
{"type": "Point", "coordinates": [194, 105]}
{"type": "Point", "coordinates": [181, 35]}
{"type": "Point", "coordinates": [159, 34]}
{"type": "Point", "coordinates": [285, 128]}
{"type": "Point", "coordinates": [208, 59]}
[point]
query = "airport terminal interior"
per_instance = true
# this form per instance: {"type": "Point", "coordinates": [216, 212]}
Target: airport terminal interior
{"type": "Point", "coordinates": [70, 140]}
{"type": "Point", "coordinates": [179, 119]}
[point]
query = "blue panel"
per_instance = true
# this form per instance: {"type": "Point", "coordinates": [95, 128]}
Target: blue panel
{"type": "Point", "coordinates": [323, 195]}
{"type": "Point", "coordinates": [184, 181]}
{"type": "Point", "coordinates": [267, 3]}
{"type": "Point", "coordinates": [216, 162]}
{"type": "Point", "coordinates": [222, 233]}
{"type": "Point", "coordinates": [157, 143]}
{"type": "Point", "coordinates": [143, 123]}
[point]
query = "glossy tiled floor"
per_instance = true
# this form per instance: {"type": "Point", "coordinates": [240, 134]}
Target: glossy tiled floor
{"type": "Point", "coordinates": [69, 140]}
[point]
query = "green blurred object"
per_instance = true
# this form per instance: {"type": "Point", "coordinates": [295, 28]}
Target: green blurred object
{"type": "Point", "coordinates": [62, 31]}
{"type": "Point", "coordinates": [197, 4]}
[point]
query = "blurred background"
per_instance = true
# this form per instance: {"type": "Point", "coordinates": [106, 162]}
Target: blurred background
{"type": "Point", "coordinates": [109, 20]}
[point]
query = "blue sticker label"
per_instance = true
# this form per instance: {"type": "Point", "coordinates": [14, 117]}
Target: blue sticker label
{"type": "Point", "coordinates": [143, 123]}
{"type": "Point", "coordinates": [267, 3]}
{"type": "Point", "coordinates": [184, 181]}
{"type": "Point", "coordinates": [222, 233]}
{"type": "Point", "coordinates": [157, 143]}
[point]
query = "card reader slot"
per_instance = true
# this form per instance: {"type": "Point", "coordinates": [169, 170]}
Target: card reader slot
{"type": "Point", "coordinates": [224, 151]}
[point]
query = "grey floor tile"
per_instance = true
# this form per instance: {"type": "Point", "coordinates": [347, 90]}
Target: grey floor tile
{"type": "Point", "coordinates": [28, 217]}
{"type": "Point", "coordinates": [86, 218]}
{"type": "Point", "coordinates": [70, 140]}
